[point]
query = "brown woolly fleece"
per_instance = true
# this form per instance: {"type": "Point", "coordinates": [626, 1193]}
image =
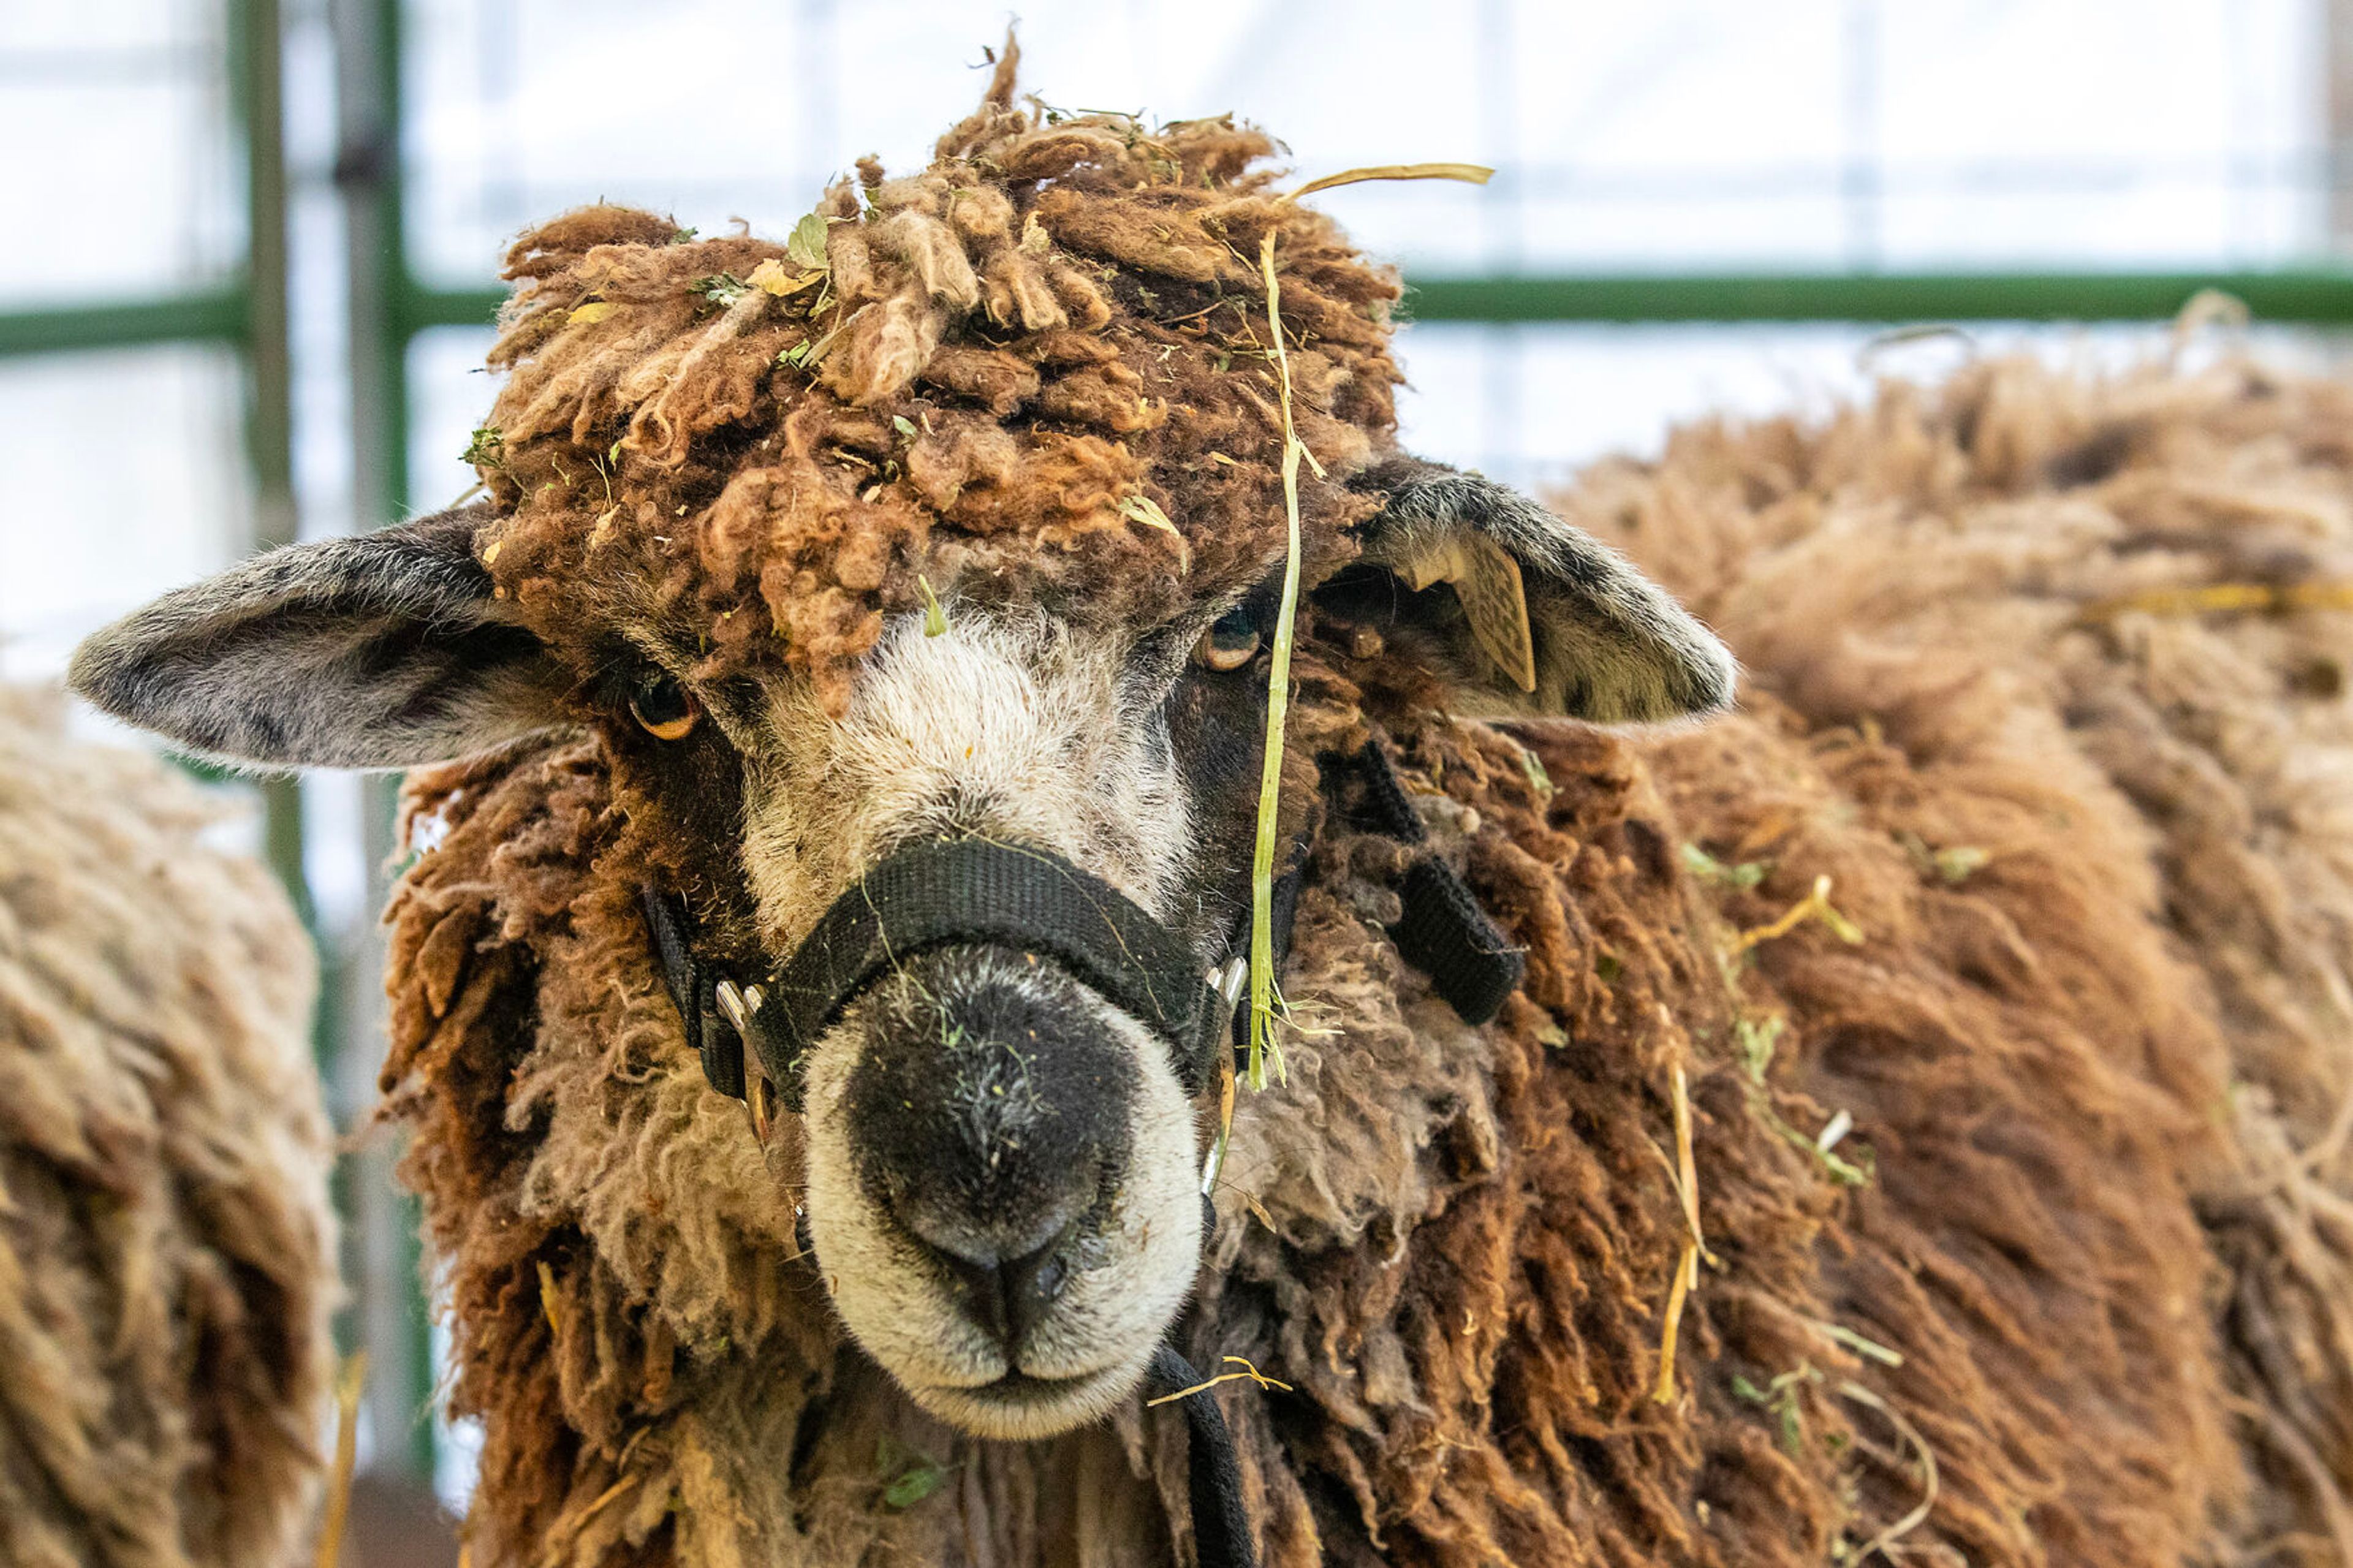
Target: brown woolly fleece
{"type": "Point", "coordinates": [166, 1247]}
{"type": "Point", "coordinates": [2073, 1289]}
{"type": "Point", "coordinates": [1039, 368]}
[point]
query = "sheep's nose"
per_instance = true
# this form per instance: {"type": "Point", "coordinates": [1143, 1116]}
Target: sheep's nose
{"type": "Point", "coordinates": [991, 1106]}
{"type": "Point", "coordinates": [1005, 1296]}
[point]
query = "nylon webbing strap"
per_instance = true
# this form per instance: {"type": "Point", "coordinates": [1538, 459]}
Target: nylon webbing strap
{"type": "Point", "coordinates": [1446, 935]}
{"type": "Point", "coordinates": [960, 892]}
{"type": "Point", "coordinates": [690, 986]}
{"type": "Point", "coordinates": [1443, 931]}
{"type": "Point", "coordinates": [1221, 1533]}
{"type": "Point", "coordinates": [977, 891]}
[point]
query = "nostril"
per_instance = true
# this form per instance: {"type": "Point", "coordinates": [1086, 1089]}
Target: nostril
{"type": "Point", "coordinates": [1008, 1299]}
{"type": "Point", "coordinates": [1032, 1283]}
{"type": "Point", "coordinates": [981, 1290]}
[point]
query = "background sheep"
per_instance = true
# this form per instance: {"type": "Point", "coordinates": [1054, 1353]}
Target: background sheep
{"type": "Point", "coordinates": [1979, 1322]}
{"type": "Point", "coordinates": [166, 1250]}
{"type": "Point", "coordinates": [2132, 590]}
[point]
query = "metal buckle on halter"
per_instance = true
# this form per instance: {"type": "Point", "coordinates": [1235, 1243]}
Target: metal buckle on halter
{"type": "Point", "coordinates": [737, 1004]}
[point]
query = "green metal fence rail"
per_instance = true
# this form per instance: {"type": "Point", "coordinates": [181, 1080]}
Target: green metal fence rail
{"type": "Point", "coordinates": [2302, 298]}
{"type": "Point", "coordinates": [2295, 297]}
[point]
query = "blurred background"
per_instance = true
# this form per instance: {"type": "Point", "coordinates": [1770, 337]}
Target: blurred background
{"type": "Point", "coordinates": [252, 248]}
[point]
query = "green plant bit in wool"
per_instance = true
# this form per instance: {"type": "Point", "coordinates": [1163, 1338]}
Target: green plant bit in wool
{"type": "Point", "coordinates": [1707, 868]}
{"type": "Point", "coordinates": [487, 449]}
{"type": "Point", "coordinates": [806, 245]}
{"type": "Point", "coordinates": [913, 1475]}
{"type": "Point", "coordinates": [1263, 1045]}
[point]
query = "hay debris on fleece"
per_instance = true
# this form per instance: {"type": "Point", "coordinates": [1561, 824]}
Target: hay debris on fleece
{"type": "Point", "coordinates": [2101, 1217]}
{"type": "Point", "coordinates": [1948, 574]}
{"type": "Point", "coordinates": [1004, 352]}
{"type": "Point", "coordinates": [166, 1250]}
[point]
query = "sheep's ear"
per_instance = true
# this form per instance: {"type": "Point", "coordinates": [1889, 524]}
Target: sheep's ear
{"type": "Point", "coordinates": [1522, 613]}
{"type": "Point", "coordinates": [384, 651]}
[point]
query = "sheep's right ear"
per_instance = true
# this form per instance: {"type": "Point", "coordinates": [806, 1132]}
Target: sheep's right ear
{"type": "Point", "coordinates": [1519, 613]}
{"type": "Point", "coordinates": [384, 650]}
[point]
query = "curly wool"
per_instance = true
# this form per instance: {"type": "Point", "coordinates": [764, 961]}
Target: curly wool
{"type": "Point", "coordinates": [2057, 1251]}
{"type": "Point", "coordinates": [166, 1247]}
{"type": "Point", "coordinates": [1998, 578]}
{"type": "Point", "coordinates": [1038, 367]}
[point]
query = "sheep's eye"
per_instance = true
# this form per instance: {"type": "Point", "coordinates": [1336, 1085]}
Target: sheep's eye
{"type": "Point", "coordinates": [1230, 641]}
{"type": "Point", "coordinates": [665, 708]}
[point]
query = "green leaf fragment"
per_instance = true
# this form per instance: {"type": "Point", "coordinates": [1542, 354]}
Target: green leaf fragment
{"type": "Point", "coordinates": [1538, 779]}
{"type": "Point", "coordinates": [487, 449]}
{"type": "Point", "coordinates": [1758, 1039]}
{"type": "Point", "coordinates": [806, 244]}
{"type": "Point", "coordinates": [721, 289]}
{"type": "Point", "coordinates": [914, 1486]}
{"type": "Point", "coordinates": [910, 1476]}
{"type": "Point", "coordinates": [1955, 864]}
{"type": "Point", "coordinates": [1708, 868]}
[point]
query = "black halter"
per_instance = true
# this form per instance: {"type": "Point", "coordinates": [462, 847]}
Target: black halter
{"type": "Point", "coordinates": [977, 891]}
{"type": "Point", "coordinates": [935, 894]}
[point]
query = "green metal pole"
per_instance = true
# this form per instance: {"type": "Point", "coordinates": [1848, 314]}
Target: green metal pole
{"type": "Point", "coordinates": [258, 90]}
{"type": "Point", "coordinates": [396, 1318]}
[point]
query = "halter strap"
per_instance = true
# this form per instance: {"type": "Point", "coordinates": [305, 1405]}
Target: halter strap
{"type": "Point", "coordinates": [946, 892]}
{"type": "Point", "coordinates": [940, 893]}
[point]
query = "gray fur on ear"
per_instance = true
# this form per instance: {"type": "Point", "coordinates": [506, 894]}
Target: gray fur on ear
{"type": "Point", "coordinates": [383, 650]}
{"type": "Point", "coordinates": [1610, 645]}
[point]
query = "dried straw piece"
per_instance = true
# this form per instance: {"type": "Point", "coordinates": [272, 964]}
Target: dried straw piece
{"type": "Point", "coordinates": [1815, 904]}
{"type": "Point", "coordinates": [1928, 1487]}
{"type": "Point", "coordinates": [1262, 1042]}
{"type": "Point", "coordinates": [2217, 598]}
{"type": "Point", "coordinates": [1686, 1277]}
{"type": "Point", "coordinates": [1469, 174]}
{"type": "Point", "coordinates": [338, 1511]}
{"type": "Point", "coordinates": [1249, 1372]}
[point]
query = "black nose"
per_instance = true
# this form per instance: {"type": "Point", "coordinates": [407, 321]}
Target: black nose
{"type": "Point", "coordinates": [990, 1107]}
{"type": "Point", "coordinates": [1005, 1296]}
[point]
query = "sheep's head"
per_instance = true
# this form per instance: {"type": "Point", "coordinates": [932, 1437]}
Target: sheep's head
{"type": "Point", "coordinates": [970, 529]}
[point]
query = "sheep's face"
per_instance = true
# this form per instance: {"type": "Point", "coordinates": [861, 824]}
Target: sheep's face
{"type": "Point", "coordinates": [1002, 1172]}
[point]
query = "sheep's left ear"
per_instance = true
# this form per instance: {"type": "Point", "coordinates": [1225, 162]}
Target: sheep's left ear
{"type": "Point", "coordinates": [1523, 612]}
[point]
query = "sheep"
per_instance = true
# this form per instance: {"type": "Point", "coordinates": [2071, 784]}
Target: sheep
{"type": "Point", "coordinates": [1803, 1132]}
{"type": "Point", "coordinates": [166, 1247]}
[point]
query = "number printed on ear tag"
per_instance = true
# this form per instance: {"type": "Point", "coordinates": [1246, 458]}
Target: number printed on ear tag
{"type": "Point", "coordinates": [1487, 580]}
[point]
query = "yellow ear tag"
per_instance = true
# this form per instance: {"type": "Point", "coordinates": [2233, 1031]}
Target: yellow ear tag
{"type": "Point", "coordinates": [1487, 580]}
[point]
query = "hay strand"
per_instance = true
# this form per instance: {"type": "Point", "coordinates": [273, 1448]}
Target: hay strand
{"type": "Point", "coordinates": [1815, 905]}
{"type": "Point", "coordinates": [1913, 1521]}
{"type": "Point", "coordinates": [338, 1510]}
{"type": "Point", "coordinates": [2226, 599]}
{"type": "Point", "coordinates": [1249, 1372]}
{"type": "Point", "coordinates": [1263, 1046]}
{"type": "Point", "coordinates": [1687, 1264]}
{"type": "Point", "coordinates": [1469, 174]}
